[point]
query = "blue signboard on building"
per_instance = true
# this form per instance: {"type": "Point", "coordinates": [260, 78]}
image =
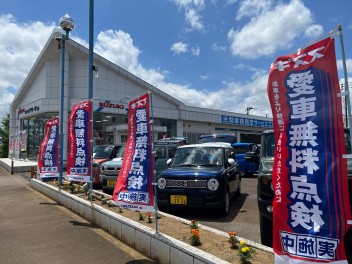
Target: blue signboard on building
{"type": "Point", "coordinates": [232, 120]}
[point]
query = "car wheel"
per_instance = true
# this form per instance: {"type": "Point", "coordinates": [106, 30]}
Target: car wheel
{"type": "Point", "coordinates": [238, 191]}
{"type": "Point", "coordinates": [225, 208]}
{"type": "Point", "coordinates": [266, 231]}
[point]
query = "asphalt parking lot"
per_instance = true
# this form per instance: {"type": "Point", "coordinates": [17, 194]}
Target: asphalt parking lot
{"type": "Point", "coordinates": [243, 217]}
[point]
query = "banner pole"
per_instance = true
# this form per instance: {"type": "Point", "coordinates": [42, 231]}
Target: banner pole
{"type": "Point", "coordinates": [153, 156]}
{"type": "Point", "coordinates": [90, 92]}
{"type": "Point", "coordinates": [347, 90]}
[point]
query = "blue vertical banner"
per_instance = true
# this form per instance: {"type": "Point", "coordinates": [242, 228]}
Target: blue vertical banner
{"type": "Point", "coordinates": [311, 205]}
{"type": "Point", "coordinates": [48, 159]}
{"type": "Point", "coordinates": [79, 136]}
{"type": "Point", "coordinates": [134, 187]}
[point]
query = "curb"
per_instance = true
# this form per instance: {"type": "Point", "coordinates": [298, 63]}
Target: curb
{"type": "Point", "coordinates": [216, 231]}
{"type": "Point", "coordinates": [159, 247]}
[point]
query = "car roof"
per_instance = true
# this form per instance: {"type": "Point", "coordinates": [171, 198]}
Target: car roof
{"type": "Point", "coordinates": [171, 140]}
{"type": "Point", "coordinates": [217, 135]}
{"type": "Point", "coordinates": [209, 144]}
{"type": "Point", "coordinates": [242, 144]}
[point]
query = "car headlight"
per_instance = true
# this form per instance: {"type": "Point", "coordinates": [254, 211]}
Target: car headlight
{"type": "Point", "coordinates": [213, 184]}
{"type": "Point", "coordinates": [161, 183]}
{"type": "Point", "coordinates": [102, 167]}
{"type": "Point", "coordinates": [95, 165]}
{"type": "Point", "coordinates": [267, 165]}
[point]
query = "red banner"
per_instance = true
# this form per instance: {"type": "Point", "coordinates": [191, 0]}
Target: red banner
{"type": "Point", "coordinates": [79, 136]}
{"type": "Point", "coordinates": [48, 159]}
{"type": "Point", "coordinates": [134, 187]}
{"type": "Point", "coordinates": [311, 204]}
{"type": "Point", "coordinates": [23, 140]}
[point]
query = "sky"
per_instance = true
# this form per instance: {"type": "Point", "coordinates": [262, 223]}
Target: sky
{"type": "Point", "coordinates": [207, 53]}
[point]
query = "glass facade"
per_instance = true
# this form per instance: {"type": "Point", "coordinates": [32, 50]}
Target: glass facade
{"type": "Point", "coordinates": [35, 127]}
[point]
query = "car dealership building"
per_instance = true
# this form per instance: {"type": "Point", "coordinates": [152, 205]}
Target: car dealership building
{"type": "Point", "coordinates": [38, 100]}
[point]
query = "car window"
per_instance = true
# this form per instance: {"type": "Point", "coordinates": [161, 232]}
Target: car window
{"type": "Point", "coordinates": [172, 151]}
{"type": "Point", "coordinates": [241, 149]}
{"type": "Point", "coordinates": [102, 152]}
{"type": "Point", "coordinates": [121, 152]}
{"type": "Point", "coordinates": [199, 156]}
{"type": "Point", "coordinates": [229, 154]}
{"type": "Point", "coordinates": [160, 152]}
{"type": "Point", "coordinates": [268, 145]}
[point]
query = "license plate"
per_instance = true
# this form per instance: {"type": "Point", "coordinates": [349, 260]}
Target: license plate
{"type": "Point", "coordinates": [178, 199]}
{"type": "Point", "coordinates": [111, 183]}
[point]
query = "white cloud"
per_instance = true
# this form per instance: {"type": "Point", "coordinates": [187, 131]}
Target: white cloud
{"type": "Point", "coordinates": [271, 30]}
{"type": "Point", "coordinates": [117, 46]}
{"type": "Point", "coordinates": [252, 93]}
{"type": "Point", "coordinates": [194, 19]}
{"type": "Point", "coordinates": [192, 9]}
{"type": "Point", "coordinates": [179, 47]}
{"type": "Point", "coordinates": [195, 51]}
{"type": "Point", "coordinates": [18, 56]}
{"type": "Point", "coordinates": [348, 65]}
{"type": "Point", "coordinates": [218, 47]}
{"type": "Point", "coordinates": [20, 46]}
{"type": "Point", "coordinates": [314, 31]}
{"type": "Point", "coordinates": [250, 8]}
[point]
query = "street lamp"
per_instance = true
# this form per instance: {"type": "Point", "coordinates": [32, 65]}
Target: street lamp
{"type": "Point", "coordinates": [67, 24]}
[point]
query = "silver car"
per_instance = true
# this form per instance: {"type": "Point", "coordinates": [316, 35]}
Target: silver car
{"type": "Point", "coordinates": [109, 171]}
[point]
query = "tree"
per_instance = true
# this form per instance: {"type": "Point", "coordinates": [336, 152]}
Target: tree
{"type": "Point", "coordinates": [4, 134]}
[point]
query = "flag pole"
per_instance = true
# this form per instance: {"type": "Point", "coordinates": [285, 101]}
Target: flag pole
{"type": "Point", "coordinates": [347, 90]}
{"type": "Point", "coordinates": [90, 93]}
{"type": "Point", "coordinates": [153, 157]}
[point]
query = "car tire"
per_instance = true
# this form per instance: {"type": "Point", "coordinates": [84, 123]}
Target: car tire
{"type": "Point", "coordinates": [266, 231]}
{"type": "Point", "coordinates": [225, 207]}
{"type": "Point", "coordinates": [110, 192]}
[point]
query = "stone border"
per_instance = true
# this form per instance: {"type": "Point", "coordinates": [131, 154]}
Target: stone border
{"type": "Point", "coordinates": [159, 247]}
{"type": "Point", "coordinates": [16, 169]}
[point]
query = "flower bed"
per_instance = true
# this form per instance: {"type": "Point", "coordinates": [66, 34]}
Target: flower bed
{"type": "Point", "coordinates": [210, 242]}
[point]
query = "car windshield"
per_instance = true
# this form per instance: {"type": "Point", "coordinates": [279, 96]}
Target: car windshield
{"type": "Point", "coordinates": [268, 145]}
{"type": "Point", "coordinates": [205, 156]}
{"type": "Point", "coordinates": [102, 152]}
{"type": "Point", "coordinates": [121, 152]}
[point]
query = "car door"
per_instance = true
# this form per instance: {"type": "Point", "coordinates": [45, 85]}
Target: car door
{"type": "Point", "coordinates": [232, 171]}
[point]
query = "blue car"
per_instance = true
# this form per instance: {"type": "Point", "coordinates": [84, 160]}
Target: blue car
{"type": "Point", "coordinates": [247, 168]}
{"type": "Point", "coordinates": [200, 176]}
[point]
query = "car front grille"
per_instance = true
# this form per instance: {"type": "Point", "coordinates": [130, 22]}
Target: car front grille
{"type": "Point", "coordinates": [112, 169]}
{"type": "Point", "coordinates": [186, 184]}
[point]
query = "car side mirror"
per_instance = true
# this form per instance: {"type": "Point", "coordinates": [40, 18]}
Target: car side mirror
{"type": "Point", "coordinates": [231, 161]}
{"type": "Point", "coordinates": [168, 162]}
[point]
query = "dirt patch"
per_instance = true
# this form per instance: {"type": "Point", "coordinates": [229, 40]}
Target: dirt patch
{"type": "Point", "coordinates": [212, 243]}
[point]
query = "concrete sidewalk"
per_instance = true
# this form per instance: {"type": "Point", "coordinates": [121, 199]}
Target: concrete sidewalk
{"type": "Point", "coordinates": [35, 229]}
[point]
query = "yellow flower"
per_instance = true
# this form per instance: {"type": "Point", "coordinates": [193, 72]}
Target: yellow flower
{"type": "Point", "coordinates": [242, 242]}
{"type": "Point", "coordinates": [245, 249]}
